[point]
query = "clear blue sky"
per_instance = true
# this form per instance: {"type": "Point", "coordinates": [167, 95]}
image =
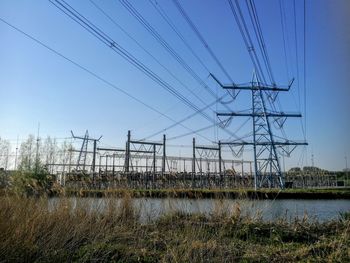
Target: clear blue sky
{"type": "Point", "coordinates": [39, 86]}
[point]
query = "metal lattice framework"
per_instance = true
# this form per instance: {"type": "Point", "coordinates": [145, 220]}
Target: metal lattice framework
{"type": "Point", "coordinates": [265, 146]}
{"type": "Point", "coordinates": [83, 151]}
{"type": "Point", "coordinates": [81, 162]}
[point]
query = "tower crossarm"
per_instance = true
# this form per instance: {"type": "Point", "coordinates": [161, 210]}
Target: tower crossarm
{"type": "Point", "coordinates": [262, 87]}
{"type": "Point", "coordinates": [147, 143]}
{"type": "Point", "coordinates": [84, 138]}
{"type": "Point", "coordinates": [267, 114]}
{"type": "Point", "coordinates": [110, 149]}
{"type": "Point", "coordinates": [207, 148]}
{"type": "Point", "coordinates": [266, 143]}
{"type": "Point", "coordinates": [255, 86]}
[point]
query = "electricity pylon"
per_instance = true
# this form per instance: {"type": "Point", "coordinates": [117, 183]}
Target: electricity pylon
{"type": "Point", "coordinates": [267, 168]}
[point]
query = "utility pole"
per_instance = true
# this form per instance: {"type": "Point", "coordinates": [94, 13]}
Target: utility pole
{"type": "Point", "coordinates": [194, 161]}
{"type": "Point", "coordinates": [94, 158]}
{"type": "Point", "coordinates": [164, 155]}
{"type": "Point", "coordinates": [194, 157]}
{"type": "Point", "coordinates": [154, 163]}
{"type": "Point", "coordinates": [127, 156]}
{"type": "Point", "coordinates": [220, 160]}
{"type": "Point", "coordinates": [113, 164]}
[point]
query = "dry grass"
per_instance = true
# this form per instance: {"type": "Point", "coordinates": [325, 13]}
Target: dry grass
{"type": "Point", "coordinates": [33, 230]}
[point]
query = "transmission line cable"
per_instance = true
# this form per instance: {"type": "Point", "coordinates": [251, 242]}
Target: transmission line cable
{"type": "Point", "coordinates": [260, 38]}
{"type": "Point", "coordinates": [166, 18]}
{"type": "Point", "coordinates": [104, 38]}
{"type": "Point", "coordinates": [242, 26]}
{"type": "Point", "coordinates": [182, 120]}
{"type": "Point", "coordinates": [297, 64]}
{"type": "Point", "coordinates": [189, 133]}
{"type": "Point", "coordinates": [283, 26]}
{"type": "Point", "coordinates": [201, 38]}
{"type": "Point", "coordinates": [259, 35]}
{"type": "Point", "coordinates": [99, 34]}
{"type": "Point", "coordinates": [296, 50]}
{"type": "Point", "coordinates": [129, 7]}
{"type": "Point", "coordinates": [146, 51]}
{"type": "Point", "coordinates": [108, 83]}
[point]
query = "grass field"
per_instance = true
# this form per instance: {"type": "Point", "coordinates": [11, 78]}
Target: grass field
{"type": "Point", "coordinates": [30, 231]}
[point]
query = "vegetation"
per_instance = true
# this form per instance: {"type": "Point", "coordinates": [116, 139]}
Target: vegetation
{"type": "Point", "coordinates": [31, 176]}
{"type": "Point", "coordinates": [344, 176]}
{"type": "Point", "coordinates": [326, 193]}
{"type": "Point", "coordinates": [36, 230]}
{"type": "Point", "coordinates": [36, 181]}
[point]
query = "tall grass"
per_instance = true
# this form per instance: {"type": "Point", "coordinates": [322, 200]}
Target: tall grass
{"type": "Point", "coordinates": [38, 230]}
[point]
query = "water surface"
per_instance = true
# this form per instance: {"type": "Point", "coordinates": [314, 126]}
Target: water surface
{"type": "Point", "coordinates": [269, 210]}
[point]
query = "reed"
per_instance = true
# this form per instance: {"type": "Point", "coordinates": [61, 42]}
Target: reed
{"type": "Point", "coordinates": [34, 229]}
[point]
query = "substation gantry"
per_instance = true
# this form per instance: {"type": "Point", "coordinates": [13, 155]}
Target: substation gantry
{"type": "Point", "coordinates": [81, 162]}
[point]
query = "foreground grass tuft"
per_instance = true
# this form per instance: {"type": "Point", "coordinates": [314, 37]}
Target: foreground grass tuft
{"type": "Point", "coordinates": [32, 230]}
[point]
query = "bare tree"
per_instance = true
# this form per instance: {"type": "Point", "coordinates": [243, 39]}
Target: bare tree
{"type": "Point", "coordinates": [49, 153]}
{"type": "Point", "coordinates": [27, 154]}
{"type": "Point", "coordinates": [5, 148]}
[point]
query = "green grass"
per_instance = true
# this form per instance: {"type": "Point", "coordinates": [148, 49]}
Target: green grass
{"type": "Point", "coordinates": [31, 232]}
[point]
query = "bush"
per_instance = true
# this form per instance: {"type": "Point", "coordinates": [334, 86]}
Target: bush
{"type": "Point", "coordinates": [35, 181]}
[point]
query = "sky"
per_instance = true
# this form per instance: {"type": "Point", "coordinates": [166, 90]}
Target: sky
{"type": "Point", "coordinates": [38, 86]}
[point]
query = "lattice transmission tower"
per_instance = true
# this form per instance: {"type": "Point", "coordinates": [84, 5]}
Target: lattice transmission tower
{"type": "Point", "coordinates": [266, 145]}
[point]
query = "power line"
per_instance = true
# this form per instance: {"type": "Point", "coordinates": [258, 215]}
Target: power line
{"type": "Point", "coordinates": [260, 37]}
{"type": "Point", "coordinates": [129, 7]}
{"type": "Point", "coordinates": [282, 15]}
{"type": "Point", "coordinates": [164, 15]}
{"type": "Point", "coordinates": [145, 50]}
{"type": "Point", "coordinates": [182, 120]}
{"type": "Point", "coordinates": [105, 39]}
{"type": "Point", "coordinates": [201, 38]}
{"type": "Point", "coordinates": [189, 133]}
{"type": "Point", "coordinates": [242, 26]}
{"type": "Point", "coordinates": [296, 51]}
{"type": "Point", "coordinates": [210, 126]}
{"type": "Point", "coordinates": [297, 64]}
{"type": "Point", "coordinates": [95, 75]}
{"type": "Point", "coordinates": [171, 51]}
{"type": "Point", "coordinates": [108, 41]}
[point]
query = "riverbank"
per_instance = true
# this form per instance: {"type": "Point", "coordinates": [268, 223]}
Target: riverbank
{"type": "Point", "coordinates": [326, 193]}
{"type": "Point", "coordinates": [33, 232]}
